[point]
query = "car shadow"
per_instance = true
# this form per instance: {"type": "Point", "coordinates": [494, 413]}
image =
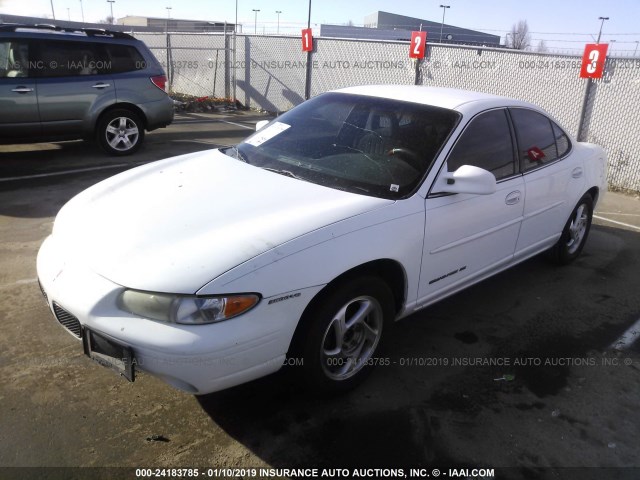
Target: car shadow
{"type": "Point", "coordinates": [408, 416]}
{"type": "Point", "coordinates": [288, 426]}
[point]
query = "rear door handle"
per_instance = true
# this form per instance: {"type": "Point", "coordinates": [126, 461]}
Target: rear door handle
{"type": "Point", "coordinates": [102, 85]}
{"type": "Point", "coordinates": [577, 172]}
{"type": "Point", "coordinates": [22, 90]}
{"type": "Point", "coordinates": [513, 198]}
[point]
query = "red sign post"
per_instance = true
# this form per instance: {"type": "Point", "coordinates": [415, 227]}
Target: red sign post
{"type": "Point", "coordinates": [593, 60]}
{"type": "Point", "coordinates": [307, 40]}
{"type": "Point", "coordinates": [418, 44]}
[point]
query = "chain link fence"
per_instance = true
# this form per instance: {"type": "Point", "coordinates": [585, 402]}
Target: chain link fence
{"type": "Point", "coordinates": [197, 65]}
{"type": "Point", "coordinates": [270, 73]}
{"type": "Point", "coordinates": [612, 120]}
{"type": "Point", "coordinates": [549, 81]}
{"type": "Point", "coordinates": [345, 63]}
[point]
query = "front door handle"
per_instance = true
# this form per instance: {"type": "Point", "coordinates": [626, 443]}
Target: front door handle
{"type": "Point", "coordinates": [22, 90]}
{"type": "Point", "coordinates": [101, 85]}
{"type": "Point", "coordinates": [513, 198]}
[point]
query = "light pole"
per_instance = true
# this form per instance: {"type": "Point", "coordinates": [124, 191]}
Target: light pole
{"type": "Point", "coordinates": [601, 24]}
{"type": "Point", "coordinates": [255, 26]}
{"type": "Point", "coordinates": [53, 11]}
{"type": "Point", "coordinates": [111, 2]}
{"type": "Point", "coordinates": [233, 67]}
{"type": "Point", "coordinates": [444, 10]}
{"type": "Point", "coordinates": [82, 11]}
{"type": "Point", "coordinates": [278, 12]}
{"type": "Point", "coordinates": [168, 12]}
{"type": "Point", "coordinates": [636, 50]}
{"type": "Point", "coordinates": [69, 13]}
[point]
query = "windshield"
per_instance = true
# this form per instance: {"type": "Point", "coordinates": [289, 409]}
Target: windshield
{"type": "Point", "coordinates": [367, 145]}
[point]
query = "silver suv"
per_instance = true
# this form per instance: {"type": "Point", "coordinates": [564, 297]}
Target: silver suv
{"type": "Point", "coordinates": [61, 84]}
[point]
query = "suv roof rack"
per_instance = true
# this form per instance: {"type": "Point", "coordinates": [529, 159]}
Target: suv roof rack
{"type": "Point", "coordinates": [90, 32]}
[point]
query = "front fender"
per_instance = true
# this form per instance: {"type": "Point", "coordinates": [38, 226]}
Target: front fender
{"type": "Point", "coordinates": [394, 232]}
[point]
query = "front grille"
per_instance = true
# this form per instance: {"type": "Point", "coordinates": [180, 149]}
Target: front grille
{"type": "Point", "coordinates": [67, 320]}
{"type": "Point", "coordinates": [44, 294]}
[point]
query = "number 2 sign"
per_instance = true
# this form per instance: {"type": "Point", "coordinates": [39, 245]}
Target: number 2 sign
{"type": "Point", "coordinates": [418, 44]}
{"type": "Point", "coordinates": [307, 40]}
{"type": "Point", "coordinates": [593, 60]}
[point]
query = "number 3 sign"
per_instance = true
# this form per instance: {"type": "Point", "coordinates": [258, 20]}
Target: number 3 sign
{"type": "Point", "coordinates": [593, 60]}
{"type": "Point", "coordinates": [418, 44]}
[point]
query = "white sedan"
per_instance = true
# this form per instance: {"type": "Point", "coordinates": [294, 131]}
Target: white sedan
{"type": "Point", "coordinates": [305, 241]}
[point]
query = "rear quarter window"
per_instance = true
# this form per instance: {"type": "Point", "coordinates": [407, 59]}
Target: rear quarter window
{"type": "Point", "coordinates": [124, 58]}
{"type": "Point", "coordinates": [562, 140]}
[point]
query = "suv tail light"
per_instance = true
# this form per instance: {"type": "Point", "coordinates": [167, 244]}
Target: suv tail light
{"type": "Point", "coordinates": [160, 81]}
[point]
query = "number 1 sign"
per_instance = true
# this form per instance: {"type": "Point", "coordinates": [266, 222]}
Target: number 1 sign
{"type": "Point", "coordinates": [307, 40]}
{"type": "Point", "coordinates": [418, 44]}
{"type": "Point", "coordinates": [593, 60]}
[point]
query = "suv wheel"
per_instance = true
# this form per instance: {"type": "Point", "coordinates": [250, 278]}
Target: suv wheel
{"type": "Point", "coordinates": [120, 132]}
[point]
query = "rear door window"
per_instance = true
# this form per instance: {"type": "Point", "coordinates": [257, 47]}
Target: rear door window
{"type": "Point", "coordinates": [68, 59]}
{"type": "Point", "coordinates": [15, 59]}
{"type": "Point", "coordinates": [536, 139]}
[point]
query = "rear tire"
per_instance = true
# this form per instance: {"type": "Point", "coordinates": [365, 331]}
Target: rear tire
{"type": "Point", "coordinates": [575, 232]}
{"type": "Point", "coordinates": [342, 334]}
{"type": "Point", "coordinates": [120, 132]}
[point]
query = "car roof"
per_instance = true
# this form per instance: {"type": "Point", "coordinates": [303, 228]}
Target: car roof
{"type": "Point", "coordinates": [46, 31]}
{"type": "Point", "coordinates": [451, 98]}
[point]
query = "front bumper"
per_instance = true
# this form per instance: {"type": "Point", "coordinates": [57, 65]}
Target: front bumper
{"type": "Point", "coordinates": [198, 359]}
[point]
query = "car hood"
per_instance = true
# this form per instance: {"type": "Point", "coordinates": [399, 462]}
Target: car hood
{"type": "Point", "coordinates": [174, 225]}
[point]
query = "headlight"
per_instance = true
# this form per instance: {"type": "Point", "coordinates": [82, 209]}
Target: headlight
{"type": "Point", "coordinates": [186, 309]}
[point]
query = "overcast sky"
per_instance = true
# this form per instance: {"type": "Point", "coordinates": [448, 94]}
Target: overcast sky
{"type": "Point", "coordinates": [563, 24]}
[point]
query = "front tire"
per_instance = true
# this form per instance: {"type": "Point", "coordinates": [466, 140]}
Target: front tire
{"type": "Point", "coordinates": [120, 132]}
{"type": "Point", "coordinates": [344, 332]}
{"type": "Point", "coordinates": [575, 232]}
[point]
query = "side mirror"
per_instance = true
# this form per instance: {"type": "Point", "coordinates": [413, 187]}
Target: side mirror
{"type": "Point", "coordinates": [261, 124]}
{"type": "Point", "coordinates": [467, 179]}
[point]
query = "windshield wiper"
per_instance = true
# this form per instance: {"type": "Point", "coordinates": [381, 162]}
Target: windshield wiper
{"type": "Point", "coordinates": [238, 154]}
{"type": "Point", "coordinates": [286, 173]}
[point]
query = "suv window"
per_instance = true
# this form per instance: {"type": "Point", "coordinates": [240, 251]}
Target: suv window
{"type": "Point", "coordinates": [485, 143]}
{"type": "Point", "coordinates": [68, 59]}
{"type": "Point", "coordinates": [14, 59]}
{"type": "Point", "coordinates": [123, 58]}
{"type": "Point", "coordinates": [536, 139]}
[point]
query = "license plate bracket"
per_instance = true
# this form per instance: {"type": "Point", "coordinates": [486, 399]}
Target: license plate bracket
{"type": "Point", "coordinates": [108, 353]}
